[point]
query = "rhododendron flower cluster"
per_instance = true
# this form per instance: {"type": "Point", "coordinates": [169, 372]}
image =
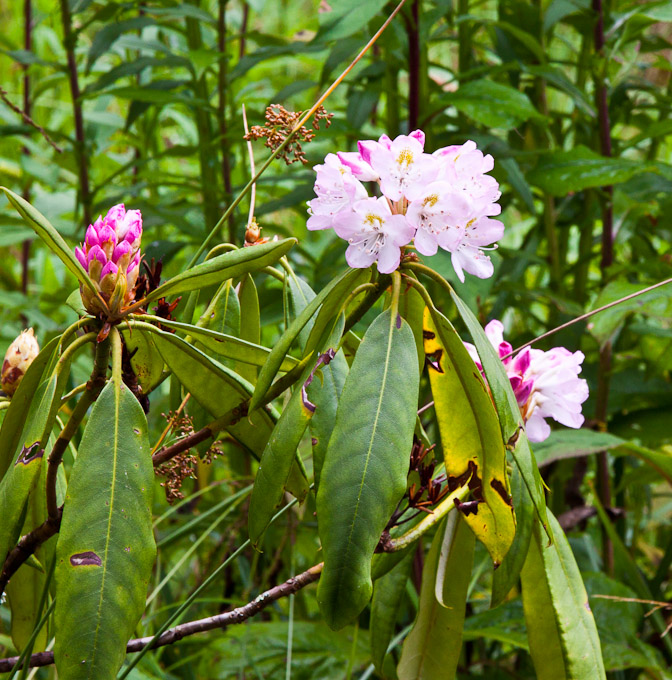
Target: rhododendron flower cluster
{"type": "Point", "coordinates": [111, 256]}
{"type": "Point", "coordinates": [546, 384]}
{"type": "Point", "coordinates": [444, 199]}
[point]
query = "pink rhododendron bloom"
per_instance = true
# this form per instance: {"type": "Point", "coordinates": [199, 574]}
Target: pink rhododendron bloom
{"type": "Point", "coordinates": [546, 384]}
{"type": "Point", "coordinates": [403, 168]}
{"type": "Point", "coordinates": [336, 190]}
{"type": "Point", "coordinates": [110, 255]}
{"type": "Point", "coordinates": [440, 216]}
{"type": "Point", "coordinates": [468, 255]}
{"type": "Point", "coordinates": [445, 200]}
{"type": "Point", "coordinates": [374, 234]}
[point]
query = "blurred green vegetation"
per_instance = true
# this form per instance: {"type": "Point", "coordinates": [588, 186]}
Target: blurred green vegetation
{"type": "Point", "coordinates": [580, 135]}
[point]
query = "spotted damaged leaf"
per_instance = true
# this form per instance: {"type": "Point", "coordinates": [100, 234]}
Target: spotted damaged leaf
{"type": "Point", "coordinates": [23, 475]}
{"type": "Point", "coordinates": [106, 548]}
{"type": "Point", "coordinates": [472, 444]}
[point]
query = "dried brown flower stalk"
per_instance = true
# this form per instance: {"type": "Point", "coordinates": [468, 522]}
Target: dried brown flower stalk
{"type": "Point", "coordinates": [279, 126]}
{"type": "Point", "coordinates": [183, 466]}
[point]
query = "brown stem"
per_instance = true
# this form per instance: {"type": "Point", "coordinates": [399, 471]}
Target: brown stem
{"type": "Point", "coordinates": [221, 111]}
{"type": "Point", "coordinates": [27, 546]}
{"type": "Point", "coordinates": [607, 258]}
{"type": "Point", "coordinates": [205, 433]}
{"type": "Point", "coordinates": [413, 33]}
{"type": "Point", "coordinates": [82, 157]}
{"type": "Point", "coordinates": [243, 29]}
{"type": "Point", "coordinates": [27, 45]}
{"type": "Point", "coordinates": [93, 389]}
{"type": "Point", "coordinates": [238, 615]}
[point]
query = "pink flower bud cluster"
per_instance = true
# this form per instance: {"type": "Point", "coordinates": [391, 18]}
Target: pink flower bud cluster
{"type": "Point", "coordinates": [441, 200]}
{"type": "Point", "coordinates": [546, 384]}
{"type": "Point", "coordinates": [111, 256]}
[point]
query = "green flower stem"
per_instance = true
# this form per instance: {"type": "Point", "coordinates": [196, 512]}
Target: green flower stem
{"type": "Point", "coordinates": [439, 512]}
{"type": "Point", "coordinates": [73, 348]}
{"type": "Point", "coordinates": [379, 287]}
{"type": "Point", "coordinates": [93, 389]}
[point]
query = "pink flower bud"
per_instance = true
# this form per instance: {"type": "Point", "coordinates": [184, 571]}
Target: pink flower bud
{"type": "Point", "coordinates": [124, 248]}
{"type": "Point", "coordinates": [81, 258]}
{"type": "Point", "coordinates": [115, 215]}
{"type": "Point", "coordinates": [133, 234]}
{"type": "Point", "coordinates": [92, 236]}
{"type": "Point", "coordinates": [111, 255]}
{"type": "Point", "coordinates": [18, 358]}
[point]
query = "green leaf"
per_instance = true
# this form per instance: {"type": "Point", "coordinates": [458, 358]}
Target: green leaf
{"type": "Point", "coordinates": [250, 325]}
{"type": "Point", "coordinates": [388, 592]}
{"type": "Point", "coordinates": [470, 435]}
{"type": "Point", "coordinates": [17, 413]}
{"type": "Point", "coordinates": [325, 394]}
{"type": "Point", "coordinates": [276, 461]}
{"type": "Point", "coordinates": [22, 477]}
{"type": "Point", "coordinates": [412, 308]}
{"type": "Point", "coordinates": [223, 312]}
{"type": "Point", "coordinates": [110, 32]}
{"type": "Point", "coordinates": [329, 315]}
{"type": "Point", "coordinates": [346, 18]}
{"type": "Point", "coordinates": [562, 172]}
{"type": "Point", "coordinates": [227, 266]}
{"type": "Point", "coordinates": [299, 296]}
{"type": "Point", "coordinates": [216, 388]}
{"type": "Point", "coordinates": [492, 104]}
{"type": "Point", "coordinates": [26, 587]}
{"type": "Point", "coordinates": [229, 346]}
{"type": "Point", "coordinates": [40, 225]}
{"type": "Point", "coordinates": [568, 443]}
{"type": "Point", "coordinates": [507, 574]}
{"type": "Point", "coordinates": [605, 324]}
{"type": "Point", "coordinates": [510, 420]}
{"type": "Point", "coordinates": [561, 630]}
{"type": "Point", "coordinates": [282, 346]}
{"type": "Point", "coordinates": [557, 78]}
{"type": "Point", "coordinates": [145, 360]}
{"type": "Point", "coordinates": [364, 473]}
{"type": "Point", "coordinates": [105, 548]}
{"type": "Point", "coordinates": [432, 649]}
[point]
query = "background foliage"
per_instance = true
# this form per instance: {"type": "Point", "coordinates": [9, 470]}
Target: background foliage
{"type": "Point", "coordinates": [145, 102]}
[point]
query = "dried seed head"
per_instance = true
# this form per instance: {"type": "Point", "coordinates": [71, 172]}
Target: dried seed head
{"type": "Point", "coordinates": [279, 125]}
{"type": "Point", "coordinates": [18, 358]}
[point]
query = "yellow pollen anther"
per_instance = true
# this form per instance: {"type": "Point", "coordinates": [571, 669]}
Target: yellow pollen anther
{"type": "Point", "coordinates": [430, 200]}
{"type": "Point", "coordinates": [405, 157]}
{"type": "Point", "coordinates": [372, 219]}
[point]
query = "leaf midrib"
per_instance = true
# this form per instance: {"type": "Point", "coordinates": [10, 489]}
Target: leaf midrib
{"type": "Point", "coordinates": [115, 449]}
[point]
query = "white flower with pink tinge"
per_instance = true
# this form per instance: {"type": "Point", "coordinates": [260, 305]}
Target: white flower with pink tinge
{"type": "Point", "coordinates": [374, 234]}
{"type": "Point", "coordinates": [445, 200]}
{"type": "Point", "coordinates": [546, 384]}
{"type": "Point", "coordinates": [336, 190]}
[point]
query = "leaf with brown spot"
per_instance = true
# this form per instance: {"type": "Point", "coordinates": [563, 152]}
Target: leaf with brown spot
{"type": "Point", "coordinates": [470, 435]}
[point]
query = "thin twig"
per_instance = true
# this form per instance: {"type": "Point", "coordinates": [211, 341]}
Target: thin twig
{"type": "Point", "coordinates": [253, 172]}
{"type": "Point", "coordinates": [238, 615]}
{"type": "Point", "coordinates": [587, 315]}
{"type": "Point", "coordinates": [306, 117]}
{"type": "Point", "coordinates": [27, 546]}
{"type": "Point", "coordinates": [28, 120]}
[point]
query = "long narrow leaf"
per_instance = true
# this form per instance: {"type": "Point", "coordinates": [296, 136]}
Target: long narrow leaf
{"type": "Point", "coordinates": [364, 473]}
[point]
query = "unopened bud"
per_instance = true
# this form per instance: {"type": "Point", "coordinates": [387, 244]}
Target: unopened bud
{"type": "Point", "coordinates": [252, 233]}
{"type": "Point", "coordinates": [18, 358]}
